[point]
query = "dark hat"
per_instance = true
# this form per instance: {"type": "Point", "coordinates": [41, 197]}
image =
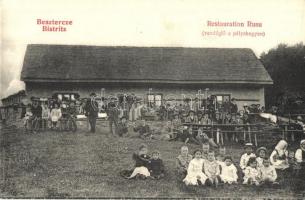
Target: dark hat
{"type": "Point", "coordinates": [92, 94]}
{"type": "Point", "coordinates": [233, 99]}
{"type": "Point", "coordinates": [123, 117]}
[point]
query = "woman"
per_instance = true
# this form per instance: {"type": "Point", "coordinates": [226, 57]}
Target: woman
{"type": "Point", "coordinates": [279, 156]}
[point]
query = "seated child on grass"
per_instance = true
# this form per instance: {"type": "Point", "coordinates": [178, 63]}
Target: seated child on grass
{"type": "Point", "coordinates": [211, 169]}
{"type": "Point", "coordinates": [267, 172]}
{"type": "Point", "coordinates": [261, 154]}
{"type": "Point", "coordinates": [228, 171]}
{"type": "Point", "coordinates": [246, 156]}
{"type": "Point", "coordinates": [143, 129]}
{"type": "Point", "coordinates": [156, 167]}
{"type": "Point", "coordinates": [183, 160]}
{"type": "Point", "coordinates": [195, 176]}
{"type": "Point", "coordinates": [251, 172]}
{"type": "Point", "coordinates": [142, 160]}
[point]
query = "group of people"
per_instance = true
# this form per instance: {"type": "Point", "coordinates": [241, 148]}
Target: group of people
{"type": "Point", "coordinates": [54, 115]}
{"type": "Point", "coordinates": [208, 167]}
{"type": "Point", "coordinates": [42, 116]}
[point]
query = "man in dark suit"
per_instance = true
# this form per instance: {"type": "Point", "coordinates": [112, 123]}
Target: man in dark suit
{"type": "Point", "coordinates": [92, 111]}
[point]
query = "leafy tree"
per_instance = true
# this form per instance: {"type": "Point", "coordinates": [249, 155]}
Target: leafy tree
{"type": "Point", "coordinates": [286, 66]}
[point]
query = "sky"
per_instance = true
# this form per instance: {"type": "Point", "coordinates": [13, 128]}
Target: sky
{"type": "Point", "coordinates": [180, 23]}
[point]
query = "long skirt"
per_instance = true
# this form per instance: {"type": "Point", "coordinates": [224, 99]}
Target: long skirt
{"type": "Point", "coordinates": [140, 170]}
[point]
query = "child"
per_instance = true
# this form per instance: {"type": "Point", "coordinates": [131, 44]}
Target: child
{"type": "Point", "coordinates": [143, 129]}
{"type": "Point", "coordinates": [55, 115]}
{"type": "Point", "coordinates": [220, 160]}
{"type": "Point", "coordinates": [279, 156]}
{"type": "Point", "coordinates": [267, 172]}
{"type": "Point", "coordinates": [183, 160]}
{"type": "Point", "coordinates": [195, 176]}
{"type": "Point", "coordinates": [45, 115]}
{"type": "Point", "coordinates": [251, 173]}
{"type": "Point", "coordinates": [293, 165]}
{"type": "Point", "coordinates": [220, 156]}
{"type": "Point", "coordinates": [211, 169]}
{"type": "Point", "coordinates": [142, 160]}
{"type": "Point", "coordinates": [300, 158]}
{"type": "Point", "coordinates": [122, 127]}
{"type": "Point", "coordinates": [229, 171]}
{"type": "Point", "coordinates": [202, 137]}
{"type": "Point", "coordinates": [27, 118]}
{"type": "Point", "coordinates": [205, 150]}
{"type": "Point", "coordinates": [261, 154]}
{"type": "Point", "coordinates": [156, 167]}
{"type": "Point", "coordinates": [246, 156]}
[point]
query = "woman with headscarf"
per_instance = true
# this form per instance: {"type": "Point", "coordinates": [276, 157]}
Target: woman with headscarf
{"type": "Point", "coordinates": [279, 156]}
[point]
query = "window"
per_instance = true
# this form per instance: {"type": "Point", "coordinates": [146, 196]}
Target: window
{"type": "Point", "coordinates": [222, 98]}
{"type": "Point", "coordinates": [154, 99]}
{"type": "Point", "coordinates": [65, 96]}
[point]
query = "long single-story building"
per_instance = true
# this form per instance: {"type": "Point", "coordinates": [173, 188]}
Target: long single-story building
{"type": "Point", "coordinates": [154, 73]}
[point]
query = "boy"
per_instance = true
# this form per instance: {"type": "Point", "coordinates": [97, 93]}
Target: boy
{"type": "Point", "coordinates": [246, 156]}
{"type": "Point", "coordinates": [156, 167]}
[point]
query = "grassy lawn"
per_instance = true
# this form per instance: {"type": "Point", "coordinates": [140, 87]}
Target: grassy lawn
{"type": "Point", "coordinates": [69, 165]}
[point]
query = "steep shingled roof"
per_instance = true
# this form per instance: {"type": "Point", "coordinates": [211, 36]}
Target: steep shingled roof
{"type": "Point", "coordinates": [142, 64]}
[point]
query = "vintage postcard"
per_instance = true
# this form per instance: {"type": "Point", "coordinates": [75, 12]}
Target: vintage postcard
{"type": "Point", "coordinates": [152, 99]}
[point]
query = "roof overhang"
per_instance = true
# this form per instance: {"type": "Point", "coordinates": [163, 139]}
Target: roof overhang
{"type": "Point", "coordinates": [255, 82]}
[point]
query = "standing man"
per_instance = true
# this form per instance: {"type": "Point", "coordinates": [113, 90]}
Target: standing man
{"type": "Point", "coordinates": [92, 111]}
{"type": "Point", "coordinates": [113, 117]}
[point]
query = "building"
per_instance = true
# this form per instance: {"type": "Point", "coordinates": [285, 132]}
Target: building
{"type": "Point", "coordinates": [154, 73]}
{"type": "Point", "coordinates": [15, 99]}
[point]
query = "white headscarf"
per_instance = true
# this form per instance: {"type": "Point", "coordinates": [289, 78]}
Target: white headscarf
{"type": "Point", "coordinates": [281, 147]}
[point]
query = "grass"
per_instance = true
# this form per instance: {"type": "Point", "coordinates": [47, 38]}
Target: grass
{"type": "Point", "coordinates": [70, 165]}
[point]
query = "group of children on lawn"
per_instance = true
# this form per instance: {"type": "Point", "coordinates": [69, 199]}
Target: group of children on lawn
{"type": "Point", "coordinates": [206, 167]}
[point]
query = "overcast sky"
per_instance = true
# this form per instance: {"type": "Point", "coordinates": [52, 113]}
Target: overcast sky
{"type": "Point", "coordinates": [143, 23]}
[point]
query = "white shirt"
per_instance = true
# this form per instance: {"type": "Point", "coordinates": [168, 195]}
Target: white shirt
{"type": "Point", "coordinates": [244, 160]}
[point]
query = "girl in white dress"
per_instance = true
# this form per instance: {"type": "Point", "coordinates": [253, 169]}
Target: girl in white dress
{"type": "Point", "coordinates": [194, 172]}
{"type": "Point", "coordinates": [229, 171]}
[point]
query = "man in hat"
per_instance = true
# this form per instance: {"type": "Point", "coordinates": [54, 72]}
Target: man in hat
{"type": "Point", "coordinates": [92, 111]}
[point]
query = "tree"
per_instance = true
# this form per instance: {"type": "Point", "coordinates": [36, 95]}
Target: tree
{"type": "Point", "coordinates": [286, 66]}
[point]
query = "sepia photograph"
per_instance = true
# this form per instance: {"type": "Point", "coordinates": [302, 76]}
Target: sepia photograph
{"type": "Point", "coordinates": [143, 99]}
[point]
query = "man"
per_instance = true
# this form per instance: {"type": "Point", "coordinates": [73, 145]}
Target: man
{"type": "Point", "coordinates": [36, 118]}
{"type": "Point", "coordinates": [92, 111]}
{"type": "Point", "coordinates": [113, 117]}
{"type": "Point", "coordinates": [233, 106]}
